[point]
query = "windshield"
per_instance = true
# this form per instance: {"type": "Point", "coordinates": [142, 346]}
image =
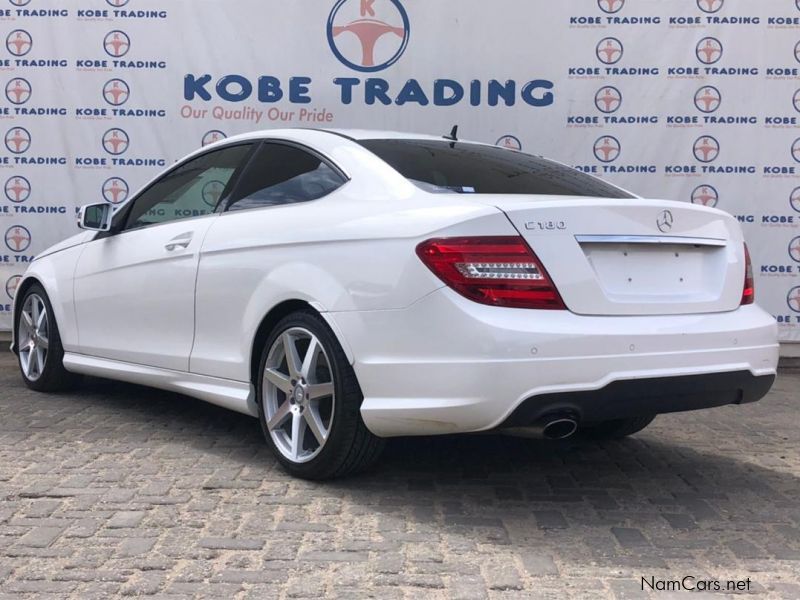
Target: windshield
{"type": "Point", "coordinates": [460, 167]}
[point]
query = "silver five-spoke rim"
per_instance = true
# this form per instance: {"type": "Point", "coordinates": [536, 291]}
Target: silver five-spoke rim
{"type": "Point", "coordinates": [298, 394]}
{"type": "Point", "coordinates": [33, 337]}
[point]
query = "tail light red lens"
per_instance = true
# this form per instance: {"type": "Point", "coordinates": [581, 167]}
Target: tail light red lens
{"type": "Point", "coordinates": [749, 292]}
{"type": "Point", "coordinates": [500, 271]}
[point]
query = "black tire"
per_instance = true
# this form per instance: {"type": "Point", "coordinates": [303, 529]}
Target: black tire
{"type": "Point", "coordinates": [350, 447]}
{"type": "Point", "coordinates": [53, 377]}
{"type": "Point", "coordinates": [615, 430]}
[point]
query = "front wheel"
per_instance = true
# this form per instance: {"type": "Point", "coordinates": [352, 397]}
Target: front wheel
{"type": "Point", "coordinates": [39, 349]}
{"type": "Point", "coordinates": [309, 402]}
{"type": "Point", "coordinates": [618, 429]}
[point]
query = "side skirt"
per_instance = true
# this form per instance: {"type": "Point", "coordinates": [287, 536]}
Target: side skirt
{"type": "Point", "coordinates": [233, 395]}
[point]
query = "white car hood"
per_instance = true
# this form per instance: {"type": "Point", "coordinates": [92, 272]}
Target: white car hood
{"type": "Point", "coordinates": [75, 240]}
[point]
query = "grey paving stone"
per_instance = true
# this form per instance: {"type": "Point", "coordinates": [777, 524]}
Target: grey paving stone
{"type": "Point", "coordinates": [129, 518]}
{"type": "Point", "coordinates": [40, 537]}
{"type": "Point", "coordinates": [120, 491]}
{"type": "Point", "coordinates": [231, 544]}
{"type": "Point", "coordinates": [629, 537]}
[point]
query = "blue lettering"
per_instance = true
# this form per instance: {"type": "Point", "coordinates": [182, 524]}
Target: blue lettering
{"type": "Point", "coordinates": [475, 92]}
{"type": "Point", "coordinates": [377, 89]}
{"type": "Point", "coordinates": [529, 96]}
{"type": "Point", "coordinates": [298, 90]}
{"type": "Point", "coordinates": [440, 86]}
{"type": "Point", "coordinates": [245, 88]}
{"type": "Point", "coordinates": [497, 90]}
{"type": "Point", "coordinates": [192, 86]}
{"type": "Point", "coordinates": [269, 89]}
{"type": "Point", "coordinates": [412, 92]}
{"type": "Point", "coordinates": [346, 84]}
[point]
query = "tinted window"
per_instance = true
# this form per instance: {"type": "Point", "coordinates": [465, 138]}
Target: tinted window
{"type": "Point", "coordinates": [281, 174]}
{"type": "Point", "coordinates": [191, 190]}
{"type": "Point", "coordinates": [472, 168]}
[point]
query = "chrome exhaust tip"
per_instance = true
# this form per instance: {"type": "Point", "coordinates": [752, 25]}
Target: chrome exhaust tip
{"type": "Point", "coordinates": [550, 427]}
{"type": "Point", "coordinates": [560, 428]}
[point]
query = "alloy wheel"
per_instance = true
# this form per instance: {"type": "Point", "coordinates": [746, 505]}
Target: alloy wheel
{"type": "Point", "coordinates": [34, 340]}
{"type": "Point", "coordinates": [298, 394]}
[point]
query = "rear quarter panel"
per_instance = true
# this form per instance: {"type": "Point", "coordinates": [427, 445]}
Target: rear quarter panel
{"type": "Point", "coordinates": [344, 252]}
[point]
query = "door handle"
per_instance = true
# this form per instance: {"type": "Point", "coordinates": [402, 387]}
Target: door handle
{"type": "Point", "coordinates": [181, 241]}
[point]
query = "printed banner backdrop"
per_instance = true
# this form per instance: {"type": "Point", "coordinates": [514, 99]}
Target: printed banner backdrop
{"type": "Point", "coordinates": [693, 100]}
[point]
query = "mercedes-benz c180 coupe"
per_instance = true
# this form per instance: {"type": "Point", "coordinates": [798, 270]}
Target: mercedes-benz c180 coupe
{"type": "Point", "coordinates": [348, 286]}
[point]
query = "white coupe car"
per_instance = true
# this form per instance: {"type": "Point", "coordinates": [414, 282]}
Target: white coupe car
{"type": "Point", "coordinates": [348, 286]}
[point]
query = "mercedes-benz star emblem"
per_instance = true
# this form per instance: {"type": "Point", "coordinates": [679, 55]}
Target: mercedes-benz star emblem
{"type": "Point", "coordinates": [664, 221]}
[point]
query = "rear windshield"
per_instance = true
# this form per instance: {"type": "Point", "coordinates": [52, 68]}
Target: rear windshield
{"type": "Point", "coordinates": [448, 167]}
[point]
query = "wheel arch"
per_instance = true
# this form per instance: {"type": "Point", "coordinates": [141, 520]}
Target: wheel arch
{"type": "Point", "coordinates": [278, 312]}
{"type": "Point", "coordinates": [24, 285]}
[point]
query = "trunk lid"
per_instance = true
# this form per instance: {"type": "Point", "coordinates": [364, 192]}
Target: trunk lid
{"type": "Point", "coordinates": [632, 256]}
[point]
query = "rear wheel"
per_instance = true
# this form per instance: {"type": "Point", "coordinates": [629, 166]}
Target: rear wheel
{"type": "Point", "coordinates": [40, 353]}
{"type": "Point", "coordinates": [620, 428]}
{"type": "Point", "coordinates": [310, 402]}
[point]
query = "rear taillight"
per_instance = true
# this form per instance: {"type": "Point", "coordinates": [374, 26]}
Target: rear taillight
{"type": "Point", "coordinates": [749, 292]}
{"type": "Point", "coordinates": [500, 271]}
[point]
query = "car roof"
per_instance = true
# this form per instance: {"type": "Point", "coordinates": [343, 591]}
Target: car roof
{"type": "Point", "coordinates": [352, 134]}
{"type": "Point", "coordinates": [381, 134]}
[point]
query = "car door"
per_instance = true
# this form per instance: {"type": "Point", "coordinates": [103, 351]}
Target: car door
{"type": "Point", "coordinates": [271, 208]}
{"type": "Point", "coordinates": [134, 288]}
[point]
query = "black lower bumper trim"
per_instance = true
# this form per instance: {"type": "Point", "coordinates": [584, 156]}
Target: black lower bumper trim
{"type": "Point", "coordinates": [639, 397]}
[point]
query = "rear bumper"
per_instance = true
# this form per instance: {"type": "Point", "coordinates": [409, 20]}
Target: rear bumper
{"type": "Point", "coordinates": [449, 365]}
{"type": "Point", "coordinates": [640, 397]}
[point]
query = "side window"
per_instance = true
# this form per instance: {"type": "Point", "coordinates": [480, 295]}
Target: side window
{"type": "Point", "coordinates": [191, 190]}
{"type": "Point", "coordinates": [281, 174]}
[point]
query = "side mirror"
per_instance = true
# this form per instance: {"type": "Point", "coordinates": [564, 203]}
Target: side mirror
{"type": "Point", "coordinates": [95, 217]}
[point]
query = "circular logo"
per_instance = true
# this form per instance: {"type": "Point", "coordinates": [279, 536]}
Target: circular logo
{"type": "Point", "coordinates": [706, 195]}
{"type": "Point", "coordinates": [794, 249]}
{"type": "Point", "coordinates": [706, 149]}
{"type": "Point", "coordinates": [368, 35]}
{"type": "Point", "coordinates": [18, 91]}
{"type": "Point", "coordinates": [117, 3]}
{"type": "Point", "coordinates": [116, 92]}
{"type": "Point", "coordinates": [794, 197]}
{"type": "Point", "coordinates": [115, 190]}
{"type": "Point", "coordinates": [510, 142]}
{"type": "Point", "coordinates": [18, 238]}
{"type": "Point", "coordinates": [608, 99]}
{"type": "Point", "coordinates": [607, 149]}
{"type": "Point", "coordinates": [710, 6]}
{"type": "Point", "coordinates": [707, 99]}
{"type": "Point", "coordinates": [796, 150]}
{"type": "Point", "coordinates": [115, 141]}
{"type": "Point", "coordinates": [664, 221]}
{"type": "Point", "coordinates": [20, 2]}
{"type": "Point", "coordinates": [797, 51]}
{"type": "Point", "coordinates": [796, 97]}
{"type": "Point", "coordinates": [209, 137]}
{"type": "Point", "coordinates": [18, 140]}
{"type": "Point", "coordinates": [609, 51]}
{"type": "Point", "coordinates": [19, 42]}
{"type": "Point", "coordinates": [12, 283]}
{"type": "Point", "coordinates": [708, 50]}
{"type": "Point", "coordinates": [116, 43]}
{"type": "Point", "coordinates": [793, 299]}
{"type": "Point", "coordinates": [17, 189]}
{"type": "Point", "coordinates": [612, 6]}
{"type": "Point", "coordinates": [212, 191]}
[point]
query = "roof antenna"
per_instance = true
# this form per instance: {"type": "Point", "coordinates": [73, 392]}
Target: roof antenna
{"type": "Point", "coordinates": [453, 133]}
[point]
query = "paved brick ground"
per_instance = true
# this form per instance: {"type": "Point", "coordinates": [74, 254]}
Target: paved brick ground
{"type": "Point", "coordinates": [120, 490]}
